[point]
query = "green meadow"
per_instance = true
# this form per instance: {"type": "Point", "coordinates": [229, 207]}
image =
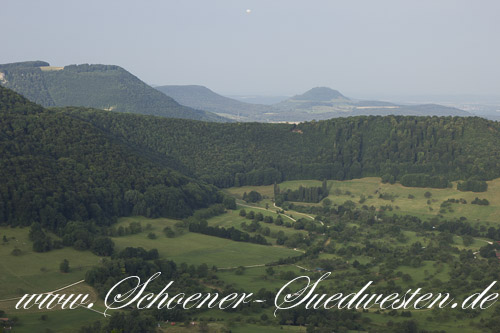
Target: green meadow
{"type": "Point", "coordinates": [419, 205]}
{"type": "Point", "coordinates": [233, 219]}
{"type": "Point", "coordinates": [33, 272]}
{"type": "Point", "coordinates": [193, 248]}
{"type": "Point", "coordinates": [57, 321]}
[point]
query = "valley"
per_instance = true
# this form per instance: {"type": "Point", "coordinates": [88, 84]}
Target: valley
{"type": "Point", "coordinates": [255, 267]}
{"type": "Point", "coordinates": [267, 166]}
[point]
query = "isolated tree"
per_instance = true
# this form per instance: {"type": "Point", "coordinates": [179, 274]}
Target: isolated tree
{"type": "Point", "coordinates": [64, 266]}
{"type": "Point", "coordinates": [229, 202]}
{"type": "Point", "coordinates": [103, 246]}
{"type": "Point", "coordinates": [254, 196]}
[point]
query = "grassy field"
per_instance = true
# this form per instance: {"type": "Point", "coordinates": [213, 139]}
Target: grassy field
{"type": "Point", "coordinates": [371, 187]}
{"type": "Point", "coordinates": [197, 249]}
{"type": "Point", "coordinates": [419, 206]}
{"type": "Point", "coordinates": [33, 272]}
{"type": "Point", "coordinates": [69, 321]}
{"type": "Point", "coordinates": [233, 219]}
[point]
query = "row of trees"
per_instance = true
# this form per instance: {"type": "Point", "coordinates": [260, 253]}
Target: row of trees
{"type": "Point", "coordinates": [202, 227]}
{"type": "Point", "coordinates": [302, 194]}
{"type": "Point", "coordinates": [76, 234]}
{"type": "Point", "coordinates": [424, 180]}
{"type": "Point", "coordinates": [473, 185]}
{"type": "Point", "coordinates": [482, 202]}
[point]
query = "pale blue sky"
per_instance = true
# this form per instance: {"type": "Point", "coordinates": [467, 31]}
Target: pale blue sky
{"type": "Point", "coordinates": [362, 48]}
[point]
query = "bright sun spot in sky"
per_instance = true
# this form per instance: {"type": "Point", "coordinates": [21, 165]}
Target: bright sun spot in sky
{"type": "Point", "coordinates": [248, 11]}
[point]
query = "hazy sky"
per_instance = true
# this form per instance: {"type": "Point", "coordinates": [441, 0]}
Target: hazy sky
{"type": "Point", "coordinates": [362, 48]}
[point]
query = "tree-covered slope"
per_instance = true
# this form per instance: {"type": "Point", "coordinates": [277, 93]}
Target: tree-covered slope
{"type": "Point", "coordinates": [105, 87]}
{"type": "Point", "coordinates": [55, 168]}
{"type": "Point", "coordinates": [342, 148]}
{"type": "Point", "coordinates": [67, 164]}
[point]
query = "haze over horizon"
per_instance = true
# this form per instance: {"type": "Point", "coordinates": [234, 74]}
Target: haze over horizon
{"type": "Point", "coordinates": [364, 49]}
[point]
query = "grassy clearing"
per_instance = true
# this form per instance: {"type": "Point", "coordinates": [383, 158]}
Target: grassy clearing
{"type": "Point", "coordinates": [33, 272]}
{"type": "Point", "coordinates": [371, 187]}
{"type": "Point", "coordinates": [233, 219]}
{"type": "Point", "coordinates": [419, 206]}
{"type": "Point", "coordinates": [59, 321]}
{"type": "Point", "coordinates": [197, 249]}
{"type": "Point", "coordinates": [51, 68]}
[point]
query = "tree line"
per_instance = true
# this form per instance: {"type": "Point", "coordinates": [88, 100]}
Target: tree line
{"type": "Point", "coordinates": [302, 194]}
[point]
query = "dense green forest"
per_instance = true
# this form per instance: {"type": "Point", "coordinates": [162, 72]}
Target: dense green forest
{"type": "Point", "coordinates": [55, 168]}
{"type": "Point", "coordinates": [106, 87]}
{"type": "Point", "coordinates": [255, 154]}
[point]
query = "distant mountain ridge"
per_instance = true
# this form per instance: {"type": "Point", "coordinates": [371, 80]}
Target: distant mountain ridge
{"type": "Point", "coordinates": [322, 103]}
{"type": "Point", "coordinates": [107, 87]}
{"type": "Point", "coordinates": [201, 97]}
{"type": "Point", "coordinates": [318, 103]}
{"type": "Point", "coordinates": [112, 88]}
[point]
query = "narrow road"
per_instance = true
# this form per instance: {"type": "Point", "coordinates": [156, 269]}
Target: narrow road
{"type": "Point", "coordinates": [267, 210]}
{"type": "Point", "coordinates": [285, 214]}
{"type": "Point", "coordinates": [250, 266]}
{"type": "Point", "coordinates": [302, 268]}
{"type": "Point", "coordinates": [309, 216]}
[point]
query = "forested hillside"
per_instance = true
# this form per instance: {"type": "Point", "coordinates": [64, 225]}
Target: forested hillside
{"type": "Point", "coordinates": [99, 86]}
{"type": "Point", "coordinates": [344, 148]}
{"type": "Point", "coordinates": [55, 168]}
{"type": "Point", "coordinates": [81, 164]}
